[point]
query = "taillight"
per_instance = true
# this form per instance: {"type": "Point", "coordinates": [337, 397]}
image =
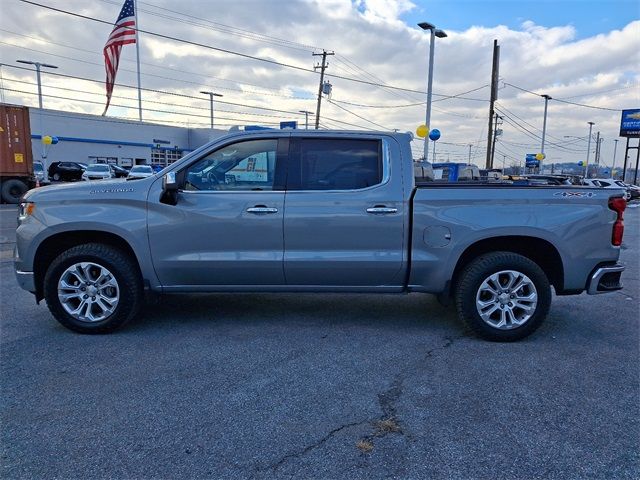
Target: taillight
{"type": "Point", "coordinates": [618, 205]}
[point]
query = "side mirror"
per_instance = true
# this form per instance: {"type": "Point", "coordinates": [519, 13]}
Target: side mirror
{"type": "Point", "coordinates": [169, 182]}
{"type": "Point", "coordinates": [169, 189]}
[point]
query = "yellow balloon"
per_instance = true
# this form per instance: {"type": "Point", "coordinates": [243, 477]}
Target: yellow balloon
{"type": "Point", "coordinates": [540, 156]}
{"type": "Point", "coordinates": [47, 140]}
{"type": "Point", "coordinates": [422, 131]}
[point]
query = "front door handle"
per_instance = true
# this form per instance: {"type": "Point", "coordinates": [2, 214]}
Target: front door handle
{"type": "Point", "coordinates": [262, 209]}
{"type": "Point", "coordinates": [381, 210]}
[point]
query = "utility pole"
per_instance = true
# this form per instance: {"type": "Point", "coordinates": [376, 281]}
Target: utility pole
{"type": "Point", "coordinates": [597, 159]}
{"type": "Point", "coordinates": [494, 96]}
{"type": "Point", "coordinates": [495, 134]}
{"type": "Point", "coordinates": [615, 149]}
{"type": "Point", "coordinates": [322, 68]}
{"type": "Point", "coordinates": [586, 166]}
{"type": "Point", "coordinates": [306, 118]}
{"type": "Point", "coordinates": [211, 95]}
{"type": "Point", "coordinates": [469, 163]}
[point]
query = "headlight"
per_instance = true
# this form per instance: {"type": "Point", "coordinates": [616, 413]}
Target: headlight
{"type": "Point", "coordinates": [25, 210]}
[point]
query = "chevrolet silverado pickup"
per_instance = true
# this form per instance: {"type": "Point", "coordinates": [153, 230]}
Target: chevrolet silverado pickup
{"type": "Point", "coordinates": [320, 211]}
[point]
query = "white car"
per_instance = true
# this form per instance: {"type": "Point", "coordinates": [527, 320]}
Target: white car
{"type": "Point", "coordinates": [607, 183]}
{"type": "Point", "coordinates": [98, 171]}
{"type": "Point", "coordinates": [140, 171]}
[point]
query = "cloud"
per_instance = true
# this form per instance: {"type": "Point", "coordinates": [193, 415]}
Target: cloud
{"type": "Point", "coordinates": [371, 43]}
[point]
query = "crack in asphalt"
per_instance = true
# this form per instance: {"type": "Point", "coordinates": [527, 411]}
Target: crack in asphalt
{"type": "Point", "coordinates": [275, 466]}
{"type": "Point", "coordinates": [387, 423]}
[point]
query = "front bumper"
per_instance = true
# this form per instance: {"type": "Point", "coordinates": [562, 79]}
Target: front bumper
{"type": "Point", "coordinates": [26, 281]}
{"type": "Point", "coordinates": [605, 279]}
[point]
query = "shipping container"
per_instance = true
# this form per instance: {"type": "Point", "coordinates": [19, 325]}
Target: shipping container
{"type": "Point", "coordinates": [16, 160]}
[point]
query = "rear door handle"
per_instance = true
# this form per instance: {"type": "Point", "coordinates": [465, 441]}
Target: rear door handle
{"type": "Point", "coordinates": [381, 210]}
{"type": "Point", "coordinates": [262, 209]}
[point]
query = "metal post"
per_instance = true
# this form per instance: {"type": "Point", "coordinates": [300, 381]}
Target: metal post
{"type": "Point", "coordinates": [433, 33]}
{"type": "Point", "coordinates": [135, 11]}
{"type": "Point", "coordinates": [211, 109]}
{"type": "Point", "coordinates": [211, 95]}
{"type": "Point", "coordinates": [586, 166]}
{"type": "Point", "coordinates": [469, 163]}
{"type": "Point", "coordinates": [544, 122]}
{"type": "Point", "coordinates": [434, 151]}
{"type": "Point", "coordinates": [615, 149]}
{"type": "Point", "coordinates": [306, 118]}
{"type": "Point", "coordinates": [432, 42]}
{"type": "Point", "coordinates": [39, 84]}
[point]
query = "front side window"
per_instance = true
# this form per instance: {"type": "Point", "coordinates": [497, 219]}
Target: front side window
{"type": "Point", "coordinates": [336, 164]}
{"type": "Point", "coordinates": [243, 166]}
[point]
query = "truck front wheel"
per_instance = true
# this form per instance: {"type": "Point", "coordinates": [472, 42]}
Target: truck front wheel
{"type": "Point", "coordinates": [93, 288]}
{"type": "Point", "coordinates": [13, 190]}
{"type": "Point", "coordinates": [503, 296]}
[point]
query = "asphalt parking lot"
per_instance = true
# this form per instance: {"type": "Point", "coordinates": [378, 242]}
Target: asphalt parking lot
{"type": "Point", "coordinates": [320, 386]}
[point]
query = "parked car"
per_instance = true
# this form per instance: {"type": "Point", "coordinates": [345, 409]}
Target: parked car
{"type": "Point", "coordinates": [607, 183]}
{"type": "Point", "coordinates": [355, 221]}
{"type": "Point", "coordinates": [633, 190]}
{"type": "Point", "coordinates": [550, 179]}
{"type": "Point", "coordinates": [118, 171]}
{"type": "Point", "coordinates": [140, 171]}
{"type": "Point", "coordinates": [98, 171]}
{"type": "Point", "coordinates": [66, 171]}
{"type": "Point", "coordinates": [39, 173]}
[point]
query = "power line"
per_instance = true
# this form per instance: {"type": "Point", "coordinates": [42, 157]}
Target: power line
{"type": "Point", "coordinates": [183, 95]}
{"type": "Point", "coordinates": [146, 74]}
{"type": "Point", "coordinates": [218, 49]}
{"type": "Point", "coordinates": [565, 101]}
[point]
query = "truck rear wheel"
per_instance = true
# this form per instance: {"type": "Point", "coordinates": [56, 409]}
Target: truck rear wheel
{"type": "Point", "coordinates": [93, 288]}
{"type": "Point", "coordinates": [13, 190]}
{"type": "Point", "coordinates": [503, 296]}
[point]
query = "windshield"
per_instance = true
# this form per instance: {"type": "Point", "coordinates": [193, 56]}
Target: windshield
{"type": "Point", "coordinates": [142, 169]}
{"type": "Point", "coordinates": [98, 168]}
{"type": "Point", "coordinates": [38, 167]}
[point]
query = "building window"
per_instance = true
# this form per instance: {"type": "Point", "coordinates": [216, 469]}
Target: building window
{"type": "Point", "coordinates": [164, 156]}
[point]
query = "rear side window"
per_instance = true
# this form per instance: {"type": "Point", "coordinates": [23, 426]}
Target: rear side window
{"type": "Point", "coordinates": [335, 164]}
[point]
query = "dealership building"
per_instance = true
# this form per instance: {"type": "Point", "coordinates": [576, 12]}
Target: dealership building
{"type": "Point", "coordinates": [97, 139]}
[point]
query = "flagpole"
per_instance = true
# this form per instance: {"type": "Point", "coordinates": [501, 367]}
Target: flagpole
{"type": "Point", "coordinates": [135, 9]}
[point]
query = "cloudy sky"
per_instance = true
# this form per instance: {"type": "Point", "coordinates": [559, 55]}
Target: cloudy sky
{"type": "Point", "coordinates": [582, 52]}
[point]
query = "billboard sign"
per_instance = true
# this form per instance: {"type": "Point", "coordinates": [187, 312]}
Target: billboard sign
{"type": "Point", "coordinates": [530, 160]}
{"type": "Point", "coordinates": [630, 123]}
{"type": "Point", "coordinates": [291, 125]}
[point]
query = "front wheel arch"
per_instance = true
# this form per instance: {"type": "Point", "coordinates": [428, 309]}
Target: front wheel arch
{"type": "Point", "coordinates": [54, 245]}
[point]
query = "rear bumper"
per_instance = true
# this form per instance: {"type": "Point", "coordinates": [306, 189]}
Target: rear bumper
{"type": "Point", "coordinates": [605, 279]}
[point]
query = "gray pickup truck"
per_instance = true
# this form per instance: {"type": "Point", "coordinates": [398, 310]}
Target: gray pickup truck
{"type": "Point", "coordinates": [315, 211]}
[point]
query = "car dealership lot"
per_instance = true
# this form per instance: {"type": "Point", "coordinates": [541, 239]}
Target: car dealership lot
{"type": "Point", "coordinates": [322, 386]}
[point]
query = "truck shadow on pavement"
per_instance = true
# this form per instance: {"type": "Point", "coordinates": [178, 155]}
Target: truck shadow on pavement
{"type": "Point", "coordinates": [377, 311]}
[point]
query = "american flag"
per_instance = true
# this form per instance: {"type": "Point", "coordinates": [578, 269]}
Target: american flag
{"type": "Point", "coordinates": [123, 33]}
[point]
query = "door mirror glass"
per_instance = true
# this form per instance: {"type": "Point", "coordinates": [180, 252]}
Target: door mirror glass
{"type": "Point", "coordinates": [169, 182]}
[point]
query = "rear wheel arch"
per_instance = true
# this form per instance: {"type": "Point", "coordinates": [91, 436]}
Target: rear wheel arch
{"type": "Point", "coordinates": [54, 245]}
{"type": "Point", "coordinates": [538, 250]}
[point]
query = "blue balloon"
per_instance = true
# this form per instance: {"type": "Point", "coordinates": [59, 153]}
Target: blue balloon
{"type": "Point", "coordinates": [434, 134]}
{"type": "Point", "coordinates": [54, 140]}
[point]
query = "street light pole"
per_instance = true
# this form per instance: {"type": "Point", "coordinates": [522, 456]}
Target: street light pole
{"type": "Point", "coordinates": [306, 118]}
{"type": "Point", "coordinates": [211, 95]}
{"type": "Point", "coordinates": [469, 163]}
{"type": "Point", "coordinates": [38, 66]}
{"type": "Point", "coordinates": [434, 32]}
{"type": "Point", "coordinates": [544, 122]}
{"type": "Point", "coordinates": [615, 149]}
{"type": "Point", "coordinates": [586, 166]}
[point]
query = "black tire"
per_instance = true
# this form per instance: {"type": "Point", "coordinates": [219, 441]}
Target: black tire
{"type": "Point", "coordinates": [126, 273]}
{"type": "Point", "coordinates": [13, 190]}
{"type": "Point", "coordinates": [470, 281]}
